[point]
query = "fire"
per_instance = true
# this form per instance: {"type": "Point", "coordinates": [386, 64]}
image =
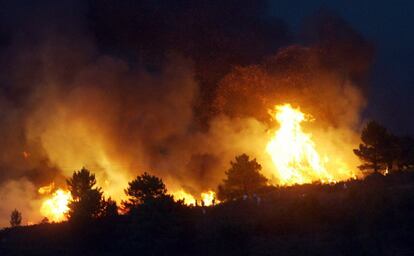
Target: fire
{"type": "Point", "coordinates": [293, 151]}
{"type": "Point", "coordinates": [209, 198]}
{"type": "Point", "coordinates": [46, 189]}
{"type": "Point", "coordinates": [186, 197]}
{"type": "Point", "coordinates": [56, 207]}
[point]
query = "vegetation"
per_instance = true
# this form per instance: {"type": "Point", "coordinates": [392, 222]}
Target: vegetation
{"type": "Point", "coordinates": [243, 179]}
{"type": "Point", "coordinates": [369, 217]}
{"type": "Point", "coordinates": [15, 218]}
{"type": "Point", "coordinates": [109, 208]}
{"type": "Point", "coordinates": [373, 150]}
{"type": "Point", "coordinates": [380, 150]}
{"type": "Point", "coordinates": [144, 189]}
{"type": "Point", "coordinates": [358, 217]}
{"type": "Point", "coordinates": [86, 200]}
{"type": "Point", "coordinates": [405, 153]}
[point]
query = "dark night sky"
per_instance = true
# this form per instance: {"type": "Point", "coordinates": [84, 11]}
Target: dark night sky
{"type": "Point", "coordinates": [388, 25]}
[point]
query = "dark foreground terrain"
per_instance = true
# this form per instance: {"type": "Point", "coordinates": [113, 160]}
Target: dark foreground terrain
{"type": "Point", "coordinates": [370, 217]}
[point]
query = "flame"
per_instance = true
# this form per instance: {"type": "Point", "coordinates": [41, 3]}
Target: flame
{"type": "Point", "coordinates": [186, 197]}
{"type": "Point", "coordinates": [46, 189]}
{"type": "Point", "coordinates": [293, 151]}
{"type": "Point", "coordinates": [56, 207]}
{"type": "Point", "coordinates": [209, 198]}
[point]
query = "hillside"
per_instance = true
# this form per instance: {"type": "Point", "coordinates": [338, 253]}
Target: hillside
{"type": "Point", "coordinates": [369, 217]}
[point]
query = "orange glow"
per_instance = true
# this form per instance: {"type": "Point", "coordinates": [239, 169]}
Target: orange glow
{"type": "Point", "coordinates": [294, 153]}
{"type": "Point", "coordinates": [25, 154]}
{"type": "Point", "coordinates": [56, 207]}
{"type": "Point", "coordinates": [46, 189]}
{"type": "Point", "coordinates": [209, 198]}
{"type": "Point", "coordinates": [186, 197]}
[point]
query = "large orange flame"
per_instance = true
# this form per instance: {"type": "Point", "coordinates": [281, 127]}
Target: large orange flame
{"type": "Point", "coordinates": [208, 198]}
{"type": "Point", "coordinates": [293, 151]}
{"type": "Point", "coordinates": [55, 208]}
{"type": "Point", "coordinates": [187, 198]}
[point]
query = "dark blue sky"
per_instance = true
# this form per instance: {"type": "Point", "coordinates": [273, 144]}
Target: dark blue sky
{"type": "Point", "coordinates": [389, 26]}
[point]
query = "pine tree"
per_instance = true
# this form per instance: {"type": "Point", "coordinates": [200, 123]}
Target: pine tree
{"type": "Point", "coordinates": [144, 189]}
{"type": "Point", "coordinates": [377, 149]}
{"type": "Point", "coordinates": [86, 200]}
{"type": "Point", "coordinates": [243, 178]}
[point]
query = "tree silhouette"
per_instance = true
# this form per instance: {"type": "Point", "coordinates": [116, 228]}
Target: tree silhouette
{"type": "Point", "coordinates": [405, 155]}
{"type": "Point", "coordinates": [45, 220]}
{"type": "Point", "coordinates": [15, 218]}
{"type": "Point", "coordinates": [86, 200]}
{"type": "Point", "coordinates": [109, 208]}
{"type": "Point", "coordinates": [243, 178]}
{"type": "Point", "coordinates": [378, 148]}
{"type": "Point", "coordinates": [144, 189]}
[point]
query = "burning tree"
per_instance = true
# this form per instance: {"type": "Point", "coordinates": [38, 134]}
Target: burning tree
{"type": "Point", "coordinates": [15, 218]}
{"type": "Point", "coordinates": [86, 200]}
{"type": "Point", "coordinates": [243, 178]}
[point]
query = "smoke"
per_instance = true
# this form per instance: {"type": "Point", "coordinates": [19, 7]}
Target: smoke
{"type": "Point", "coordinates": [215, 35]}
{"type": "Point", "coordinates": [29, 206]}
{"type": "Point", "coordinates": [327, 78]}
{"type": "Point", "coordinates": [96, 85]}
{"type": "Point", "coordinates": [297, 75]}
{"type": "Point", "coordinates": [114, 120]}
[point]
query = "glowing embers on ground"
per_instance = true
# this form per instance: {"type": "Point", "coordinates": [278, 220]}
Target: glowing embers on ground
{"type": "Point", "coordinates": [55, 207]}
{"type": "Point", "coordinates": [292, 150]}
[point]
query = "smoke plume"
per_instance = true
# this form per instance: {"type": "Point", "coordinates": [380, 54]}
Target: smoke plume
{"type": "Point", "coordinates": [177, 90]}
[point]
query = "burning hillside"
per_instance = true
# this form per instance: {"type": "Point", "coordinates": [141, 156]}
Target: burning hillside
{"type": "Point", "coordinates": [181, 106]}
{"type": "Point", "coordinates": [295, 157]}
{"type": "Point", "coordinates": [85, 128]}
{"type": "Point", "coordinates": [204, 128]}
